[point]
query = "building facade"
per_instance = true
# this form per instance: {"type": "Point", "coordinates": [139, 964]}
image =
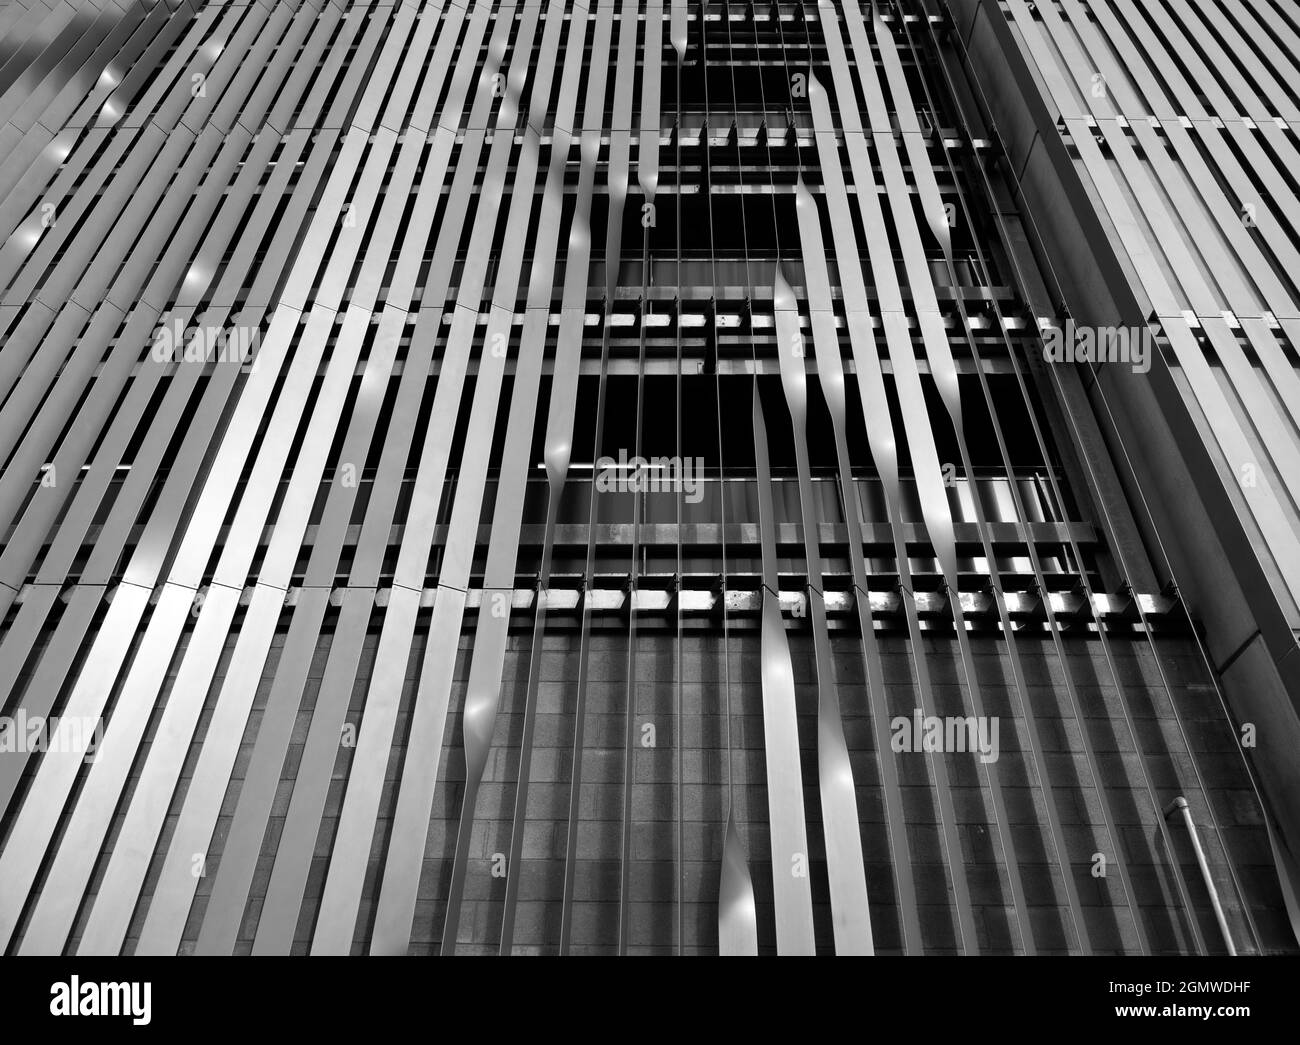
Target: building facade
{"type": "Point", "coordinates": [673, 478]}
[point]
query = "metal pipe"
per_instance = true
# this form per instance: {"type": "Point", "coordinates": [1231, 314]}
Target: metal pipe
{"type": "Point", "coordinates": [1181, 803]}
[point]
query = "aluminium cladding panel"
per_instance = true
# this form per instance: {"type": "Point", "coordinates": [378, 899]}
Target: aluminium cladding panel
{"type": "Point", "coordinates": [255, 635]}
{"type": "Point", "coordinates": [406, 847]}
{"type": "Point", "coordinates": [280, 912]}
{"type": "Point", "coordinates": [306, 615]}
{"type": "Point", "coordinates": [616, 180]}
{"type": "Point", "coordinates": [100, 72]}
{"type": "Point", "coordinates": [851, 915]}
{"type": "Point", "coordinates": [114, 532]}
{"type": "Point", "coordinates": [830, 373]}
{"type": "Point", "coordinates": [941, 231]}
{"type": "Point", "coordinates": [1100, 107]}
{"type": "Point", "coordinates": [46, 935]}
{"type": "Point", "coordinates": [324, 321]}
{"type": "Point", "coordinates": [941, 361]}
{"type": "Point", "coordinates": [216, 612]}
{"type": "Point", "coordinates": [482, 694]}
{"type": "Point", "coordinates": [1051, 619]}
{"type": "Point", "coordinates": [235, 870]}
{"type": "Point", "coordinates": [47, 171]}
{"type": "Point", "coordinates": [935, 511]}
{"type": "Point", "coordinates": [49, 674]}
{"type": "Point", "coordinates": [558, 438]}
{"type": "Point", "coordinates": [181, 139]}
{"type": "Point", "coordinates": [938, 353]}
{"type": "Point", "coordinates": [789, 834]}
{"type": "Point", "coordinates": [647, 162]}
{"type": "Point", "coordinates": [73, 371]}
{"type": "Point", "coordinates": [1034, 738]}
{"type": "Point", "coordinates": [36, 821]}
{"type": "Point", "coordinates": [483, 690]}
{"type": "Point", "coordinates": [335, 925]}
{"type": "Point", "coordinates": [120, 888]}
{"type": "Point", "coordinates": [1267, 513]}
{"type": "Point", "coordinates": [29, 29]}
{"type": "Point", "coordinates": [23, 98]}
{"type": "Point", "coordinates": [85, 829]}
{"type": "Point", "coordinates": [32, 520]}
{"type": "Point", "coordinates": [1262, 164]}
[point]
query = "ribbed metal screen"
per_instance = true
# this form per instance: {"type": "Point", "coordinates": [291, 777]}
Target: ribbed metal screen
{"type": "Point", "coordinates": [325, 328]}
